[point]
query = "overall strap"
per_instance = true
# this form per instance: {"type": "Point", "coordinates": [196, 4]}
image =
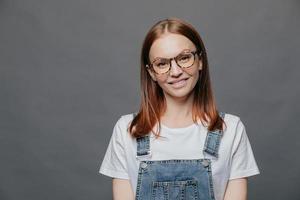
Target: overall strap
{"type": "Point", "coordinates": [213, 139]}
{"type": "Point", "coordinates": [143, 145]}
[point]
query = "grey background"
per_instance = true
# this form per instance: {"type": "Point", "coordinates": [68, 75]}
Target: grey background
{"type": "Point", "coordinates": [70, 69]}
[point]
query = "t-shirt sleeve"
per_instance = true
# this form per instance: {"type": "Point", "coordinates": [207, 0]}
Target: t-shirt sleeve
{"type": "Point", "coordinates": [114, 162]}
{"type": "Point", "coordinates": [243, 163]}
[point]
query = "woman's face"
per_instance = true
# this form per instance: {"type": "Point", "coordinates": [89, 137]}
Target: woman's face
{"type": "Point", "coordinates": [178, 82]}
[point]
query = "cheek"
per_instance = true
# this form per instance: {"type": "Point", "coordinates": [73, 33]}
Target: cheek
{"type": "Point", "coordinates": [192, 72]}
{"type": "Point", "coordinates": [163, 83]}
{"type": "Point", "coordinates": [162, 79]}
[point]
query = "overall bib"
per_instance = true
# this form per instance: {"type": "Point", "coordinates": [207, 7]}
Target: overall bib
{"type": "Point", "coordinates": [176, 179]}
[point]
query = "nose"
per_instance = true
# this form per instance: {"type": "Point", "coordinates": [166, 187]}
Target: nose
{"type": "Point", "coordinates": [175, 69]}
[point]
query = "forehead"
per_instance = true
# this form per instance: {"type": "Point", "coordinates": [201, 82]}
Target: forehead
{"type": "Point", "coordinates": [170, 45]}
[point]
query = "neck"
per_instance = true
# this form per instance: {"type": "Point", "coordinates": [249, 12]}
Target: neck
{"type": "Point", "coordinates": [179, 109]}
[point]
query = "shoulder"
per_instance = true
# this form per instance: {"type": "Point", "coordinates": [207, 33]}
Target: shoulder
{"type": "Point", "coordinates": [122, 124]}
{"type": "Point", "coordinates": [232, 119]}
{"type": "Point", "coordinates": [234, 125]}
{"type": "Point", "coordinates": [125, 119]}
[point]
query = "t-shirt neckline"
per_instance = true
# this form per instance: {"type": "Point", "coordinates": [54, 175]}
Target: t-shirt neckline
{"type": "Point", "coordinates": [180, 129]}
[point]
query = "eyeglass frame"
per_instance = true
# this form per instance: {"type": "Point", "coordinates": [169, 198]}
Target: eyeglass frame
{"type": "Point", "coordinates": [197, 51]}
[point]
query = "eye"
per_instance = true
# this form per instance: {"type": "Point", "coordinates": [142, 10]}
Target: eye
{"type": "Point", "coordinates": [162, 64]}
{"type": "Point", "coordinates": [184, 57]}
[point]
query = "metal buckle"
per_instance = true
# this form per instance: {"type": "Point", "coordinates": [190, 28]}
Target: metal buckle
{"type": "Point", "coordinates": [149, 155]}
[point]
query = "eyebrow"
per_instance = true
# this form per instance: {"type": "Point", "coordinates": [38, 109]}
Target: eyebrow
{"type": "Point", "coordinates": [156, 58]}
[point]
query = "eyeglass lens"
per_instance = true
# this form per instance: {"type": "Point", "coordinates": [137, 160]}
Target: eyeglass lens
{"type": "Point", "coordinates": [184, 60]}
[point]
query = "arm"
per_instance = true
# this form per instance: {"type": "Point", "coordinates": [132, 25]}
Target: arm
{"type": "Point", "coordinates": [122, 189]}
{"type": "Point", "coordinates": [236, 189]}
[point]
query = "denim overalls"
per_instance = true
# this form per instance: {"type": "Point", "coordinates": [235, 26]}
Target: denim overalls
{"type": "Point", "coordinates": [176, 179]}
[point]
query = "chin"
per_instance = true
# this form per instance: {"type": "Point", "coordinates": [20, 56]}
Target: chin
{"type": "Point", "coordinates": [179, 93]}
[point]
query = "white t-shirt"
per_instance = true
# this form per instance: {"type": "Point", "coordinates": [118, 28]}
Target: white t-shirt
{"type": "Point", "coordinates": [235, 159]}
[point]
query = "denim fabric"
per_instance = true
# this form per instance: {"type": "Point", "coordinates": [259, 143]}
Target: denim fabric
{"type": "Point", "coordinates": [143, 146]}
{"type": "Point", "coordinates": [186, 179]}
{"type": "Point", "coordinates": [213, 139]}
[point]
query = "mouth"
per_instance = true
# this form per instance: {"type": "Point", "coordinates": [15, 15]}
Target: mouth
{"type": "Point", "coordinates": [178, 81]}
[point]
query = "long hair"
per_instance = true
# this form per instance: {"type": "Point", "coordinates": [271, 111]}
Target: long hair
{"type": "Point", "coordinates": [153, 102]}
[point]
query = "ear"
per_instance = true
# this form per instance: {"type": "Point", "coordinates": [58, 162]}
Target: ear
{"type": "Point", "coordinates": [151, 73]}
{"type": "Point", "coordinates": [200, 64]}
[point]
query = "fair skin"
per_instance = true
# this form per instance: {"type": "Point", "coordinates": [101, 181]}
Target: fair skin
{"type": "Point", "coordinates": [179, 100]}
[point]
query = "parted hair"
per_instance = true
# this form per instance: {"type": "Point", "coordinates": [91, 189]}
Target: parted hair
{"type": "Point", "coordinates": [153, 103]}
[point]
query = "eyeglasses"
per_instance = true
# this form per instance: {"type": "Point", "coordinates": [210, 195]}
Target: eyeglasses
{"type": "Point", "coordinates": [184, 60]}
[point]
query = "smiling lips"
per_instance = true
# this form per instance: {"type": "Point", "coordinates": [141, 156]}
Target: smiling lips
{"type": "Point", "coordinates": [179, 83]}
{"type": "Point", "coordinates": [176, 81]}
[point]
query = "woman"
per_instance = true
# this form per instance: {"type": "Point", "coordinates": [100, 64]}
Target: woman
{"type": "Point", "coordinates": [178, 145]}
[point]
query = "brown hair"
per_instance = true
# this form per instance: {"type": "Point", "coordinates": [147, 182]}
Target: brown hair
{"type": "Point", "coordinates": [153, 103]}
